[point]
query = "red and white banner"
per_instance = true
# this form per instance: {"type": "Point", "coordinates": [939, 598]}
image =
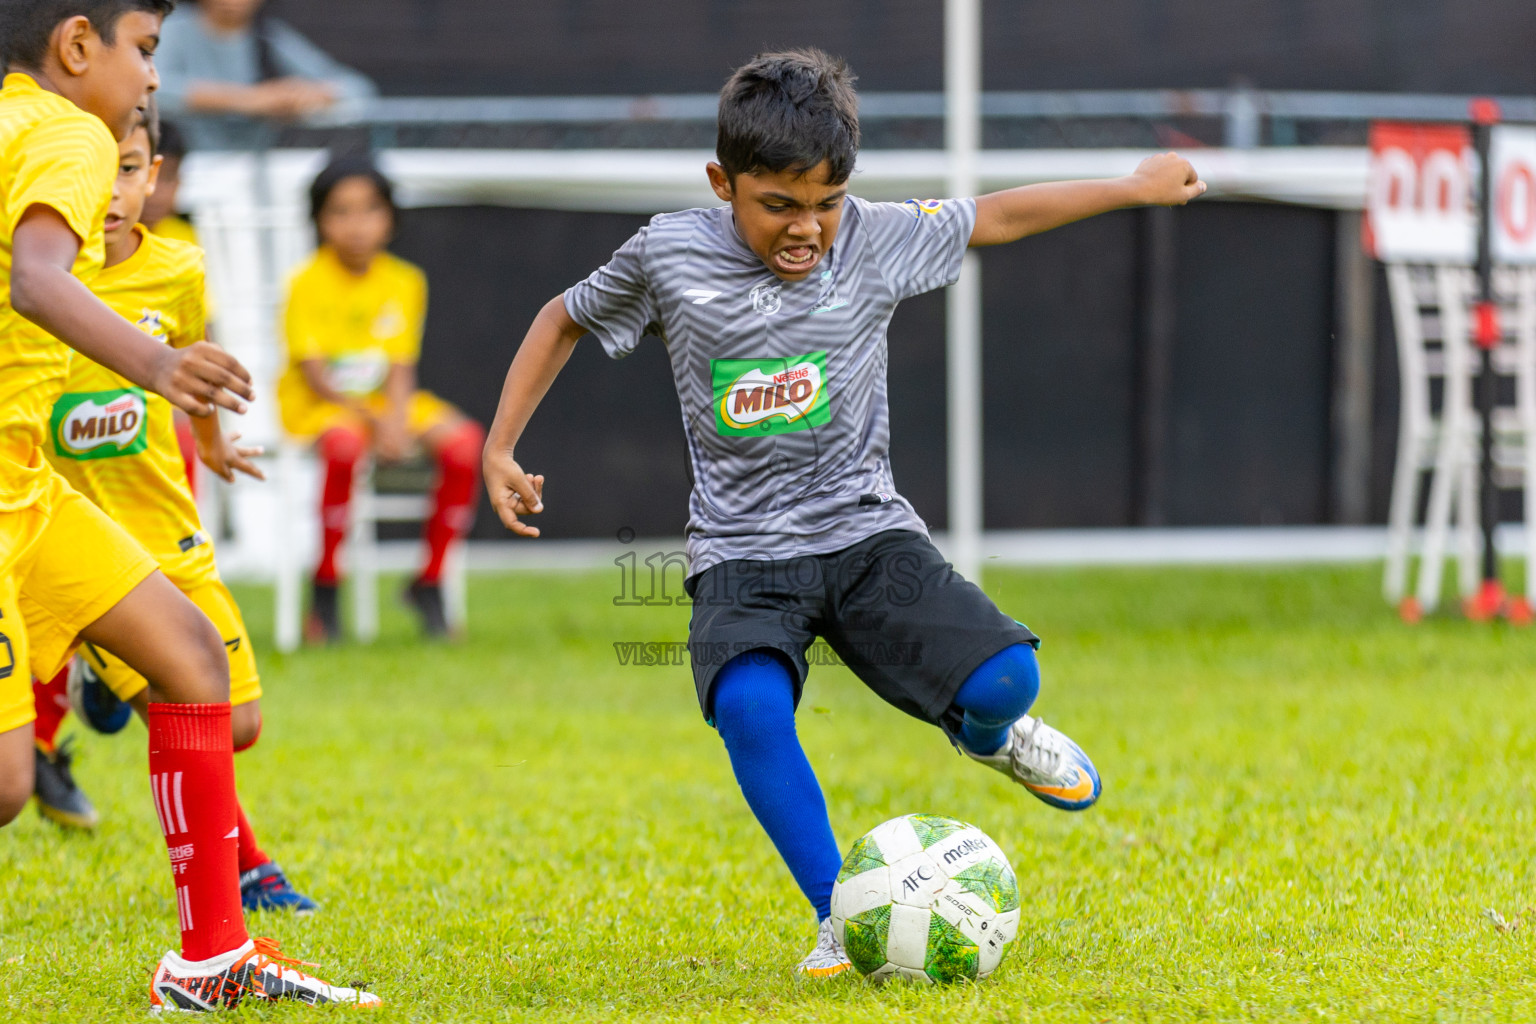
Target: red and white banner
{"type": "Point", "coordinates": [1419, 198]}
{"type": "Point", "coordinates": [1514, 194]}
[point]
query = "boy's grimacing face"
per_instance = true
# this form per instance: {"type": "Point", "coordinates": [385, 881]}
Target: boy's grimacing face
{"type": "Point", "coordinates": [789, 220]}
{"type": "Point", "coordinates": [116, 80]}
{"type": "Point", "coordinates": [136, 174]}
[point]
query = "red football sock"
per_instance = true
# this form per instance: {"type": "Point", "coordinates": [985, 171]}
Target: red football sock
{"type": "Point", "coordinates": [453, 508]}
{"type": "Point", "coordinates": [188, 445]}
{"type": "Point", "coordinates": [192, 778]}
{"type": "Point", "coordinates": [250, 853]}
{"type": "Point", "coordinates": [52, 702]}
{"type": "Point", "coordinates": [340, 448]}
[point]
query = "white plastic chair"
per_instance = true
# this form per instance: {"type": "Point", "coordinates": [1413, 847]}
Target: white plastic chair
{"type": "Point", "coordinates": [1420, 296]}
{"type": "Point", "coordinates": [1431, 311]}
{"type": "Point", "coordinates": [364, 555]}
{"type": "Point", "coordinates": [369, 509]}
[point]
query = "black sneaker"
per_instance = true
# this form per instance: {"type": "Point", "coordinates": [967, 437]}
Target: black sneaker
{"type": "Point", "coordinates": [427, 599]}
{"type": "Point", "coordinates": [323, 626]}
{"type": "Point", "coordinates": [59, 799]}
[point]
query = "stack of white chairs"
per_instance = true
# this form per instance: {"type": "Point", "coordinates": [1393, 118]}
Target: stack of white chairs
{"type": "Point", "coordinates": [273, 530]}
{"type": "Point", "coordinates": [1439, 429]}
{"type": "Point", "coordinates": [249, 249]}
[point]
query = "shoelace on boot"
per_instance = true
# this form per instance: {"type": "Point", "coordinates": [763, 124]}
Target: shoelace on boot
{"type": "Point", "coordinates": [827, 944]}
{"type": "Point", "coordinates": [1036, 753]}
{"type": "Point", "coordinates": [266, 953]}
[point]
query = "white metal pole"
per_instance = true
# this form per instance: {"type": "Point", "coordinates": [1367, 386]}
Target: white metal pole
{"type": "Point", "coordinates": [962, 130]}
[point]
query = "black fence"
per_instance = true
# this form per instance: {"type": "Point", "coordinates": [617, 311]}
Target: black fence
{"type": "Point", "coordinates": [1177, 372]}
{"type": "Point", "coordinates": [568, 47]}
{"type": "Point", "coordinates": [1152, 367]}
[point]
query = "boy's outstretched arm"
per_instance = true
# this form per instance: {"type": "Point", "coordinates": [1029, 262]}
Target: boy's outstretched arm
{"type": "Point", "coordinates": [544, 352]}
{"type": "Point", "coordinates": [46, 292]}
{"type": "Point", "coordinates": [1163, 180]}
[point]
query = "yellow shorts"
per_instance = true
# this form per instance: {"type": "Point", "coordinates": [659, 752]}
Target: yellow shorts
{"type": "Point", "coordinates": [68, 566]}
{"type": "Point", "coordinates": [16, 708]}
{"type": "Point", "coordinates": [305, 416]}
{"type": "Point", "coordinates": [219, 605]}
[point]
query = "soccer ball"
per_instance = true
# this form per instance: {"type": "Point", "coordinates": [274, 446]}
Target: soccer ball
{"type": "Point", "coordinates": [928, 898]}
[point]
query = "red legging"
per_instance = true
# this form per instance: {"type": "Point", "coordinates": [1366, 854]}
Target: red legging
{"type": "Point", "coordinates": [188, 445]}
{"type": "Point", "coordinates": [453, 508]}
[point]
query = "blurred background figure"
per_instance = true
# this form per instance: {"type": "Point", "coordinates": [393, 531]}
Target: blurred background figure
{"type": "Point", "coordinates": [161, 218]}
{"type": "Point", "coordinates": [232, 75]}
{"type": "Point", "coordinates": [354, 322]}
{"type": "Point", "coordinates": [160, 214]}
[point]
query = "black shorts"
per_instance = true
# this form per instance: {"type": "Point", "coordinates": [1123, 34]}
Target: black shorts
{"type": "Point", "coordinates": [889, 607]}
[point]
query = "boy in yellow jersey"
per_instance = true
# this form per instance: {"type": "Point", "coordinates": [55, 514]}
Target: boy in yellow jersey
{"type": "Point", "coordinates": [160, 216]}
{"type": "Point", "coordinates": [81, 74]}
{"type": "Point", "coordinates": [354, 325]}
{"type": "Point", "coordinates": [116, 445]}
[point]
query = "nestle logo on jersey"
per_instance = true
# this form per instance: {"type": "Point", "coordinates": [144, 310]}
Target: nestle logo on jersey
{"type": "Point", "coordinates": [100, 424]}
{"type": "Point", "coordinates": [754, 397]}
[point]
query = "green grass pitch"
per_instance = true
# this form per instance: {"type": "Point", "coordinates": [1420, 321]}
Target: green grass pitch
{"type": "Point", "coordinates": [1308, 808]}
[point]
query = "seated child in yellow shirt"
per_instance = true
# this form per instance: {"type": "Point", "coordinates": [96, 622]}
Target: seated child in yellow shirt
{"type": "Point", "coordinates": [354, 325]}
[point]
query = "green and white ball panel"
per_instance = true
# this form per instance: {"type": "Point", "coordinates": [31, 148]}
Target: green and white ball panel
{"type": "Point", "coordinates": [928, 897]}
{"type": "Point", "coordinates": [1000, 936]}
{"type": "Point", "coordinates": [895, 839]}
{"type": "Point", "coordinates": [907, 944]}
{"type": "Point", "coordinates": [870, 891]}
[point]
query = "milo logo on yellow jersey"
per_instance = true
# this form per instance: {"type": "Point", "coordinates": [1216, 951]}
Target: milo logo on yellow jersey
{"type": "Point", "coordinates": [771, 396]}
{"type": "Point", "coordinates": [101, 424]}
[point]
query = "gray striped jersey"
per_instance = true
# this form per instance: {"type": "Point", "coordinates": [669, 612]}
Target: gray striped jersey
{"type": "Point", "coordinates": [782, 385]}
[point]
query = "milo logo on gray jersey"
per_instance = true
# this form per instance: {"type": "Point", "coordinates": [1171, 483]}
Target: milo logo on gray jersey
{"type": "Point", "coordinates": [754, 397]}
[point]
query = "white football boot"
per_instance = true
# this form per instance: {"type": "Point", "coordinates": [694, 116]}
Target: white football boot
{"type": "Point", "coordinates": [257, 971]}
{"type": "Point", "coordinates": [1045, 762]}
{"type": "Point", "coordinates": [828, 959]}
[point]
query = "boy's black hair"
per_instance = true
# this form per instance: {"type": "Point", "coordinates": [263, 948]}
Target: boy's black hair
{"type": "Point", "coordinates": [338, 171]}
{"type": "Point", "coordinates": [26, 26]}
{"type": "Point", "coordinates": [789, 111]}
{"type": "Point", "coordinates": [153, 127]}
{"type": "Point", "coordinates": [172, 144]}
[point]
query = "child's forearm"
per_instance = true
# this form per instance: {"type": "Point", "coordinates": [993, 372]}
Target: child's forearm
{"type": "Point", "coordinates": [44, 290]}
{"type": "Point", "coordinates": [318, 378]}
{"type": "Point", "coordinates": [60, 304]}
{"type": "Point", "coordinates": [398, 388]}
{"type": "Point", "coordinates": [539, 360]}
{"type": "Point", "coordinates": [207, 432]}
{"type": "Point", "coordinates": [1021, 212]}
{"type": "Point", "coordinates": [1163, 180]}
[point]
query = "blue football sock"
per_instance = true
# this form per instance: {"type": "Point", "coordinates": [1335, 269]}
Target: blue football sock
{"type": "Point", "coordinates": [754, 711]}
{"type": "Point", "coordinates": [994, 696]}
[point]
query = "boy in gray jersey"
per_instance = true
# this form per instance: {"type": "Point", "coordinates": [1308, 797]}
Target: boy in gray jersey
{"type": "Point", "coordinates": [774, 310]}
